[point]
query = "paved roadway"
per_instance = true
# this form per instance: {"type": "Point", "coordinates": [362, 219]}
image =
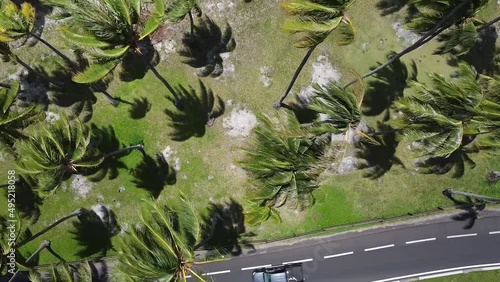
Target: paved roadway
{"type": "Point", "coordinates": [377, 254]}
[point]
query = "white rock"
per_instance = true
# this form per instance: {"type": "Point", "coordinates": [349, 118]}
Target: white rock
{"type": "Point", "coordinates": [240, 122]}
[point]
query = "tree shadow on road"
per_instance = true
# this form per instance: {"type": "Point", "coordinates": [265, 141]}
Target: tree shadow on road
{"type": "Point", "coordinates": [470, 209]}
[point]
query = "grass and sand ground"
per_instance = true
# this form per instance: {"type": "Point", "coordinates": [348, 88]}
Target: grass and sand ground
{"type": "Point", "coordinates": [208, 165]}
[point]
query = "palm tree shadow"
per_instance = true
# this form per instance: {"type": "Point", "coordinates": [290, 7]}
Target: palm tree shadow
{"type": "Point", "coordinates": [386, 86]}
{"type": "Point", "coordinates": [223, 229]}
{"type": "Point", "coordinates": [27, 200]}
{"type": "Point", "coordinates": [455, 162]}
{"type": "Point", "coordinates": [94, 231]}
{"type": "Point", "coordinates": [378, 159]}
{"type": "Point", "coordinates": [301, 111]}
{"type": "Point", "coordinates": [153, 174]}
{"type": "Point", "coordinates": [200, 110]}
{"type": "Point", "coordinates": [202, 50]}
{"type": "Point", "coordinates": [484, 55]}
{"type": "Point", "coordinates": [104, 139]}
{"type": "Point", "coordinates": [388, 7]}
{"type": "Point", "coordinates": [140, 107]}
{"type": "Point", "coordinates": [470, 209]}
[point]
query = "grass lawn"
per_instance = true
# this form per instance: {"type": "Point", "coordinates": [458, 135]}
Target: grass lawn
{"type": "Point", "coordinates": [471, 276]}
{"type": "Point", "coordinates": [208, 164]}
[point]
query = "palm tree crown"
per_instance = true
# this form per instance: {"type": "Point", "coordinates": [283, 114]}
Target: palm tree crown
{"type": "Point", "coordinates": [162, 247]}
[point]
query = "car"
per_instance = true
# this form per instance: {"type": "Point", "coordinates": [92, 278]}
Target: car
{"type": "Point", "coordinates": [279, 273]}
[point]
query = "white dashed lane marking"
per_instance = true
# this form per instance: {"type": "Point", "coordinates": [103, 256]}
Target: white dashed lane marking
{"type": "Point", "coordinates": [461, 235]}
{"type": "Point", "coordinates": [298, 261]}
{"type": "Point", "coordinates": [420, 241]}
{"type": "Point", "coordinates": [380, 247]}
{"type": "Point", "coordinates": [216, 272]}
{"type": "Point", "coordinates": [339, 255]}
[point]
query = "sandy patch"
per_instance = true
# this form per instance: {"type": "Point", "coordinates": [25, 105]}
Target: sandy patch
{"type": "Point", "coordinates": [265, 76]}
{"type": "Point", "coordinates": [81, 186]}
{"type": "Point", "coordinates": [240, 122]}
{"type": "Point", "coordinates": [408, 36]}
{"type": "Point", "coordinates": [322, 73]}
{"type": "Point", "coordinates": [170, 156]}
{"type": "Point", "coordinates": [218, 9]}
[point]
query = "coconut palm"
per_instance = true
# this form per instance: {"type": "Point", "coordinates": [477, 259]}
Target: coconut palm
{"type": "Point", "coordinates": [161, 247]}
{"type": "Point", "coordinates": [108, 32]}
{"type": "Point", "coordinates": [438, 120]}
{"type": "Point", "coordinates": [284, 166]}
{"type": "Point", "coordinates": [431, 18]}
{"type": "Point", "coordinates": [202, 48]}
{"type": "Point", "coordinates": [312, 21]}
{"type": "Point", "coordinates": [12, 119]}
{"type": "Point", "coordinates": [56, 151]}
{"type": "Point", "coordinates": [17, 23]}
{"type": "Point", "coordinates": [178, 10]}
{"type": "Point", "coordinates": [463, 26]}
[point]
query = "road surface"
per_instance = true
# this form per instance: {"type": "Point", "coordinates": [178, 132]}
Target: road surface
{"type": "Point", "coordinates": [389, 254]}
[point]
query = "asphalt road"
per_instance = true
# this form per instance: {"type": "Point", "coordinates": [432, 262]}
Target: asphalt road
{"type": "Point", "coordinates": [376, 254]}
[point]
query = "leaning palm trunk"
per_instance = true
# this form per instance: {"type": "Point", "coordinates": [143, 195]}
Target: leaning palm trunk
{"type": "Point", "coordinates": [178, 102]}
{"type": "Point", "coordinates": [112, 100]}
{"type": "Point", "coordinates": [452, 192]}
{"type": "Point", "coordinates": [139, 147]}
{"type": "Point", "coordinates": [278, 103]}
{"type": "Point", "coordinates": [44, 245]}
{"type": "Point", "coordinates": [440, 27]}
{"type": "Point", "coordinates": [78, 212]}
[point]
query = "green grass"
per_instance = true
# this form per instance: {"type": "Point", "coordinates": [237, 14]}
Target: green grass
{"type": "Point", "coordinates": [470, 277]}
{"type": "Point", "coordinates": [341, 199]}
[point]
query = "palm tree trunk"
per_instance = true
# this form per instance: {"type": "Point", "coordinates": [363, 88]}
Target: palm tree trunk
{"type": "Point", "coordinates": [139, 147]}
{"type": "Point", "coordinates": [424, 39]}
{"type": "Point", "coordinates": [278, 103]}
{"type": "Point", "coordinates": [451, 192]}
{"type": "Point", "coordinates": [5, 85]}
{"type": "Point", "coordinates": [44, 245]}
{"type": "Point", "coordinates": [78, 212]}
{"type": "Point", "coordinates": [485, 25]}
{"type": "Point", "coordinates": [178, 102]}
{"type": "Point", "coordinates": [75, 67]}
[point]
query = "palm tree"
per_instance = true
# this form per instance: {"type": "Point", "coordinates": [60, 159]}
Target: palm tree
{"type": "Point", "coordinates": [430, 18]}
{"type": "Point", "coordinates": [312, 22]}
{"type": "Point", "coordinates": [439, 120]}
{"type": "Point", "coordinates": [284, 166]}
{"type": "Point", "coordinates": [12, 119]}
{"type": "Point", "coordinates": [108, 32]}
{"type": "Point", "coordinates": [178, 10]}
{"type": "Point", "coordinates": [482, 198]}
{"type": "Point", "coordinates": [202, 48]}
{"type": "Point", "coordinates": [56, 151]}
{"type": "Point", "coordinates": [17, 23]}
{"type": "Point", "coordinates": [161, 248]}
{"type": "Point", "coordinates": [80, 213]}
{"type": "Point", "coordinates": [45, 245]}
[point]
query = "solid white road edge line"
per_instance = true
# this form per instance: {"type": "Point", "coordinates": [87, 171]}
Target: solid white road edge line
{"type": "Point", "coordinates": [420, 241]}
{"type": "Point", "coordinates": [338, 255]}
{"type": "Point", "coordinates": [441, 275]}
{"type": "Point", "coordinates": [437, 271]}
{"type": "Point", "coordinates": [255, 267]}
{"type": "Point", "coordinates": [494, 232]}
{"type": "Point", "coordinates": [216, 272]}
{"type": "Point", "coordinates": [298, 261]}
{"type": "Point", "coordinates": [380, 247]}
{"type": "Point", "coordinates": [461, 235]}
